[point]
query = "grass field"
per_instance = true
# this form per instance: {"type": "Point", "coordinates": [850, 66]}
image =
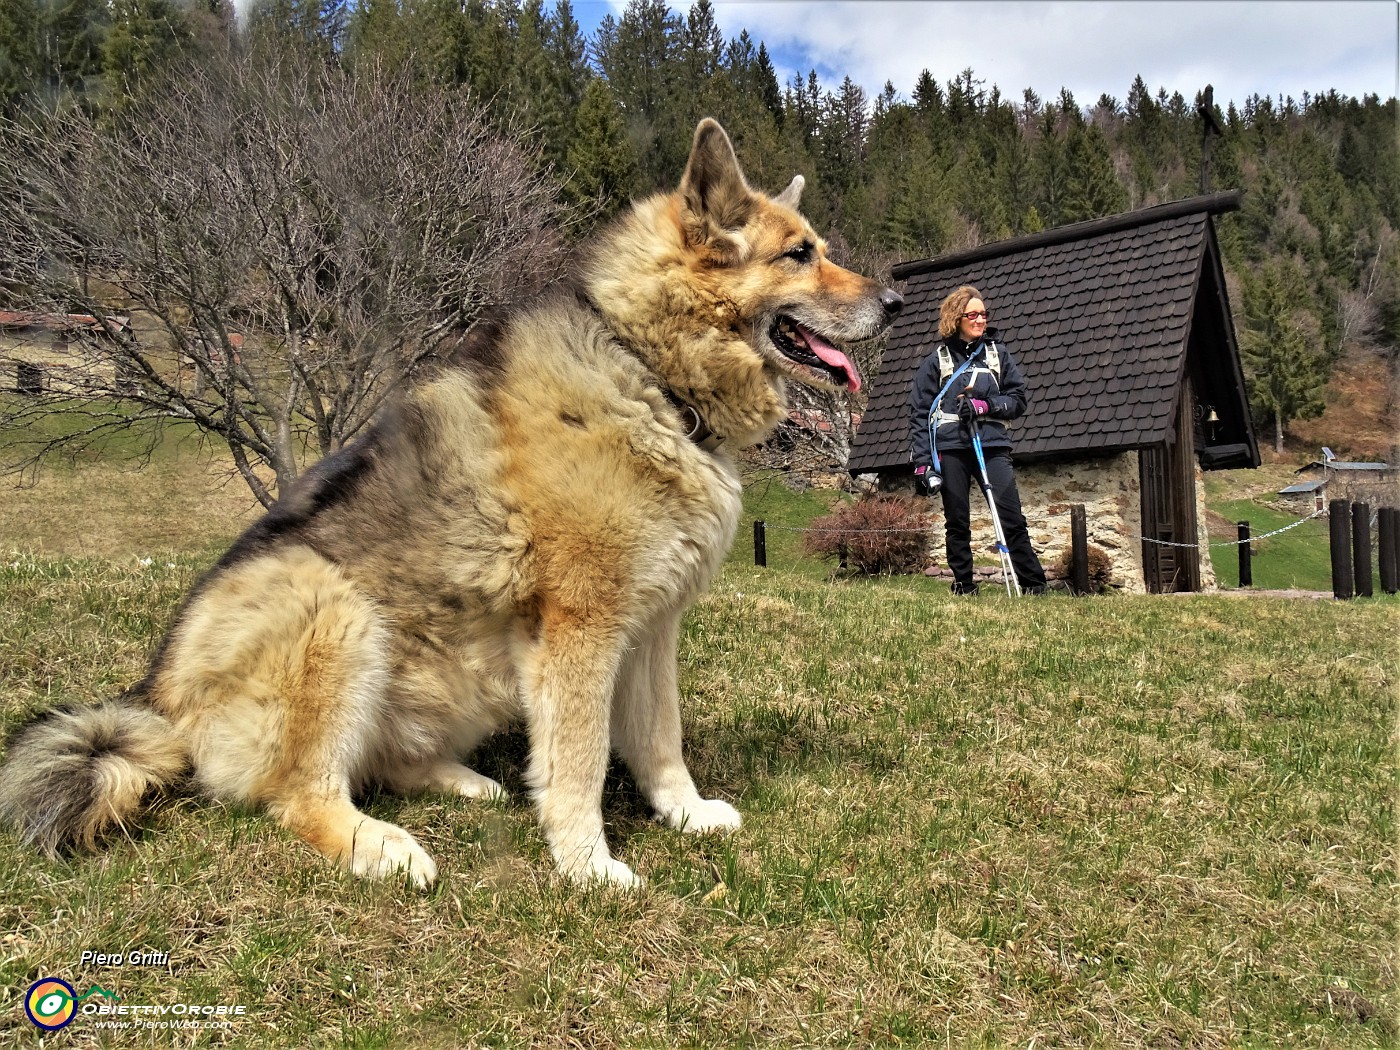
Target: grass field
{"type": "Point", "coordinates": [1299, 558]}
{"type": "Point", "coordinates": [1108, 822]}
{"type": "Point", "coordinates": [1296, 559]}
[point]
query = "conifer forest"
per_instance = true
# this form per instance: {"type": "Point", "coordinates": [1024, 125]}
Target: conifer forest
{"type": "Point", "coordinates": [1312, 256]}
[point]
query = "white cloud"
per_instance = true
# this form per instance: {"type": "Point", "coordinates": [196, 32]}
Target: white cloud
{"type": "Point", "coordinates": [1268, 47]}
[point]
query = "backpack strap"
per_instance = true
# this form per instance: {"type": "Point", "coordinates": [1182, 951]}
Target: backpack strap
{"type": "Point", "coordinates": [945, 362]}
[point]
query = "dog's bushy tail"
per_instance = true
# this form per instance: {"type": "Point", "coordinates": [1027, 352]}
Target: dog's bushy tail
{"type": "Point", "coordinates": [75, 773]}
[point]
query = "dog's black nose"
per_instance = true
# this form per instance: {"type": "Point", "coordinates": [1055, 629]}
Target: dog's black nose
{"type": "Point", "coordinates": [892, 301]}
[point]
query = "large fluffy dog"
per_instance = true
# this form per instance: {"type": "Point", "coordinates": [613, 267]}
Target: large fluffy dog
{"type": "Point", "coordinates": [516, 539]}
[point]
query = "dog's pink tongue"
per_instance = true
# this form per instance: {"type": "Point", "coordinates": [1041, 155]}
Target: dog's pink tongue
{"type": "Point", "coordinates": [835, 358]}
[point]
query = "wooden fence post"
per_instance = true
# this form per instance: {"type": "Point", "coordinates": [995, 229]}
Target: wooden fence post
{"type": "Point", "coordinates": [1388, 529]}
{"type": "Point", "coordinates": [1246, 566]}
{"type": "Point", "coordinates": [760, 544]}
{"type": "Point", "coordinates": [1361, 548]}
{"type": "Point", "coordinates": [1339, 533]}
{"type": "Point", "coordinates": [1079, 550]}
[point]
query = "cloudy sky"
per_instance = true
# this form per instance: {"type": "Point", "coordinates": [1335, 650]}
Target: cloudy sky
{"type": "Point", "coordinates": [1092, 47]}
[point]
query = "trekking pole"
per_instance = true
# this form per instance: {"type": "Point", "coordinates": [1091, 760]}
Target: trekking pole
{"type": "Point", "coordinates": [1008, 573]}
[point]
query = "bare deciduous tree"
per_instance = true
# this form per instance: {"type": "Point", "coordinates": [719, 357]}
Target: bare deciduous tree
{"type": "Point", "coordinates": [290, 243]}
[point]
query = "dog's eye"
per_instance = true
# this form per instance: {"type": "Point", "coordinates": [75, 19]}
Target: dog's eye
{"type": "Point", "coordinates": [802, 253]}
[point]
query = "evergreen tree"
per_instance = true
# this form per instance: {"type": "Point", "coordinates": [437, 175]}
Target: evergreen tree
{"type": "Point", "coordinates": [804, 108]}
{"type": "Point", "coordinates": [965, 98]}
{"type": "Point", "coordinates": [1091, 186]}
{"type": "Point", "coordinates": [1284, 360]}
{"type": "Point", "coordinates": [931, 106]}
{"type": "Point", "coordinates": [1070, 115]}
{"type": "Point", "coordinates": [1106, 110]}
{"type": "Point", "coordinates": [316, 25]}
{"type": "Point", "coordinates": [144, 35]}
{"type": "Point", "coordinates": [440, 35]}
{"type": "Point", "coordinates": [703, 46]}
{"type": "Point", "coordinates": [886, 100]}
{"type": "Point", "coordinates": [705, 86]}
{"type": "Point", "coordinates": [488, 49]}
{"type": "Point", "coordinates": [378, 31]}
{"type": "Point", "coordinates": [977, 197]}
{"type": "Point", "coordinates": [560, 73]}
{"type": "Point", "coordinates": [999, 124]}
{"type": "Point", "coordinates": [1031, 107]}
{"type": "Point", "coordinates": [745, 90]}
{"type": "Point", "coordinates": [1014, 184]}
{"type": "Point", "coordinates": [918, 222]}
{"type": "Point", "coordinates": [1145, 138]}
{"type": "Point", "coordinates": [602, 167]}
{"type": "Point", "coordinates": [1049, 164]}
{"type": "Point", "coordinates": [71, 49]}
{"type": "Point", "coordinates": [928, 96]}
{"type": "Point", "coordinates": [1224, 162]}
{"type": "Point", "coordinates": [21, 27]}
{"type": "Point", "coordinates": [536, 92]}
{"type": "Point", "coordinates": [842, 136]}
{"type": "Point", "coordinates": [639, 55]}
{"type": "Point", "coordinates": [768, 89]}
{"type": "Point", "coordinates": [567, 51]}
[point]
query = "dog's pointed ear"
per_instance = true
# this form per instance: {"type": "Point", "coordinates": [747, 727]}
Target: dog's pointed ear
{"type": "Point", "coordinates": [792, 196]}
{"type": "Point", "coordinates": [713, 191]}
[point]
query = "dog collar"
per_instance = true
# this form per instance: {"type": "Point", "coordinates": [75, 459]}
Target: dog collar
{"type": "Point", "coordinates": [694, 425]}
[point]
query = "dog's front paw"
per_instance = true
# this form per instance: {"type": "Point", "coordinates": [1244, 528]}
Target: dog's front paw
{"type": "Point", "coordinates": [603, 869]}
{"type": "Point", "coordinates": [613, 872]}
{"type": "Point", "coordinates": [704, 815]}
{"type": "Point", "coordinates": [591, 862]}
{"type": "Point", "coordinates": [383, 850]}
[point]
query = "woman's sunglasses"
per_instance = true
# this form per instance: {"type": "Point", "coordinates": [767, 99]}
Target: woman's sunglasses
{"type": "Point", "coordinates": [976, 315]}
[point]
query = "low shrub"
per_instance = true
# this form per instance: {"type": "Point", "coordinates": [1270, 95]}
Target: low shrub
{"type": "Point", "coordinates": [878, 535]}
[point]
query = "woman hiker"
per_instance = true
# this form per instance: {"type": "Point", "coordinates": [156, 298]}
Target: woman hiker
{"type": "Point", "coordinates": [970, 377]}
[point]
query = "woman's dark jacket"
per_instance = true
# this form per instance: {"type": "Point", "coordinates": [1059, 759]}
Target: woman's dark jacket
{"type": "Point", "coordinates": [1006, 399]}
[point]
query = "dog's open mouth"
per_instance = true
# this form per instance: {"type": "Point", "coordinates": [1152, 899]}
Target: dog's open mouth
{"type": "Point", "coordinates": [804, 347]}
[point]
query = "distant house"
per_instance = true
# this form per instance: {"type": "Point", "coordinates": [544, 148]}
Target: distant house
{"type": "Point", "coordinates": [211, 354]}
{"type": "Point", "coordinates": [1331, 478]}
{"type": "Point", "coordinates": [59, 353]}
{"type": "Point", "coordinates": [1122, 326]}
{"type": "Point", "coordinates": [1305, 496]}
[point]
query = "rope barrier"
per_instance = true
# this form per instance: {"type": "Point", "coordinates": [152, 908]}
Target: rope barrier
{"type": "Point", "coordinates": [1232, 543]}
{"type": "Point", "coordinates": [1144, 539]}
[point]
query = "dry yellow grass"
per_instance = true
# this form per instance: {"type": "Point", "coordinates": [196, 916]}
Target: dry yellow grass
{"type": "Point", "coordinates": [186, 499]}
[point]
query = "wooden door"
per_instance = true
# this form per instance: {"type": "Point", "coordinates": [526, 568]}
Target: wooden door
{"type": "Point", "coordinates": [1168, 478]}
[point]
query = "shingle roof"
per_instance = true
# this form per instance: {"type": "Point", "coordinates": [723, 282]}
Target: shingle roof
{"type": "Point", "coordinates": [1097, 315]}
{"type": "Point", "coordinates": [1337, 464]}
{"type": "Point", "coordinates": [57, 322]}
